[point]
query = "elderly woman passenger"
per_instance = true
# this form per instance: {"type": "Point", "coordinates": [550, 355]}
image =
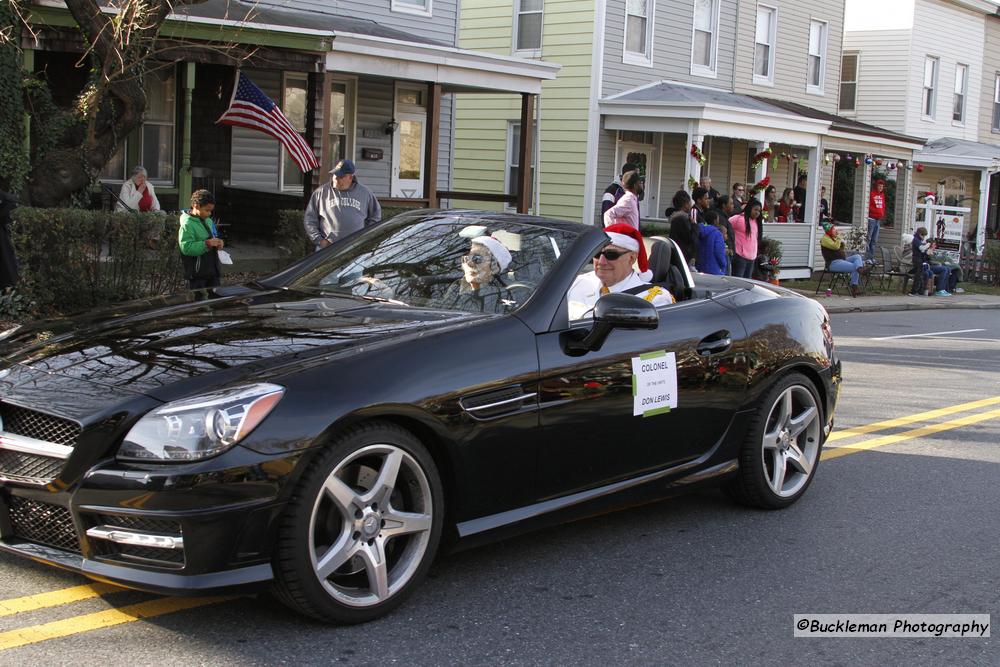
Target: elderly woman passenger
{"type": "Point", "coordinates": [137, 193]}
{"type": "Point", "coordinates": [481, 289]}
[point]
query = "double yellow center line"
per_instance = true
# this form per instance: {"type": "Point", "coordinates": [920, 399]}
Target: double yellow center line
{"type": "Point", "coordinates": [920, 417]}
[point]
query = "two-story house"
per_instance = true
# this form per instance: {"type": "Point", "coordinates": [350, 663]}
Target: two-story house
{"type": "Point", "coordinates": [989, 117]}
{"type": "Point", "coordinates": [921, 69]}
{"type": "Point", "coordinates": [373, 81]}
{"type": "Point", "coordinates": [661, 83]}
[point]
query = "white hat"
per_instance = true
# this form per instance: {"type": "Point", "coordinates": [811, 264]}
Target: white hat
{"type": "Point", "coordinates": [498, 250]}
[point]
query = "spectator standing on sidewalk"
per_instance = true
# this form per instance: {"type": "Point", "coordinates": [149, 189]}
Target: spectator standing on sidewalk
{"type": "Point", "coordinates": [876, 212]}
{"type": "Point", "coordinates": [706, 182]}
{"type": "Point", "coordinates": [746, 229]}
{"type": "Point", "coordinates": [613, 192]}
{"type": "Point", "coordinates": [626, 209]}
{"type": "Point", "coordinates": [199, 242]}
{"type": "Point", "coordinates": [340, 207]}
{"type": "Point", "coordinates": [739, 197]}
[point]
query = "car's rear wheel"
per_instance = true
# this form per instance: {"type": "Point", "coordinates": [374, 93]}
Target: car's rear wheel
{"type": "Point", "coordinates": [779, 457]}
{"type": "Point", "coordinates": [362, 527]}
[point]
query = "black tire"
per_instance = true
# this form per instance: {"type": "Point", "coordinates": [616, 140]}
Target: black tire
{"type": "Point", "coordinates": [791, 402]}
{"type": "Point", "coordinates": [399, 523]}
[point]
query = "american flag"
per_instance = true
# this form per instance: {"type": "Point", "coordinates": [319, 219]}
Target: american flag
{"type": "Point", "coordinates": [251, 108]}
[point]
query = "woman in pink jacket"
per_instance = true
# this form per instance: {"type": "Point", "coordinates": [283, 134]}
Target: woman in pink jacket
{"type": "Point", "coordinates": [626, 209]}
{"type": "Point", "coordinates": [745, 233]}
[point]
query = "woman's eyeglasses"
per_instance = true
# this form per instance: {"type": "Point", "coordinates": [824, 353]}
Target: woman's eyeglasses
{"type": "Point", "coordinates": [473, 260]}
{"type": "Point", "coordinates": [610, 255]}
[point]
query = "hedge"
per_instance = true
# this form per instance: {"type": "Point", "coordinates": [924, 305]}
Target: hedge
{"type": "Point", "coordinates": [75, 259]}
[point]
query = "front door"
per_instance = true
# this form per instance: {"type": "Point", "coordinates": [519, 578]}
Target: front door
{"type": "Point", "coordinates": [590, 433]}
{"type": "Point", "coordinates": [408, 144]}
{"type": "Point", "coordinates": [640, 155]}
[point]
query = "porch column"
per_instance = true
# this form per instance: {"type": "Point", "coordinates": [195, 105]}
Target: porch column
{"type": "Point", "coordinates": [984, 199]}
{"type": "Point", "coordinates": [760, 173]}
{"type": "Point", "coordinates": [862, 188]}
{"type": "Point", "coordinates": [815, 173]}
{"type": "Point", "coordinates": [810, 216]}
{"type": "Point", "coordinates": [693, 169]}
{"type": "Point", "coordinates": [431, 146]}
{"type": "Point", "coordinates": [904, 199]}
{"type": "Point", "coordinates": [524, 153]}
{"type": "Point", "coordinates": [184, 178]}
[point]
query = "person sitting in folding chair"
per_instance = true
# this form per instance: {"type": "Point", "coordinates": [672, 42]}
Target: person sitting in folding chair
{"type": "Point", "coordinates": [838, 261]}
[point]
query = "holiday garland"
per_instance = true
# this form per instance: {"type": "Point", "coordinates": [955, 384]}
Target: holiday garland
{"type": "Point", "coordinates": [697, 154]}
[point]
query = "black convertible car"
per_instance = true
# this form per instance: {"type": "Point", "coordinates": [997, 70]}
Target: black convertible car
{"type": "Point", "coordinates": [325, 430]}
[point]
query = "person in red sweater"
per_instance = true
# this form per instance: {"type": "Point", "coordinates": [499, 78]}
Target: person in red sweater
{"type": "Point", "coordinates": [876, 212]}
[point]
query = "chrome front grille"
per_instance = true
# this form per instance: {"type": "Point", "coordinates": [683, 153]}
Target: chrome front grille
{"type": "Point", "coordinates": [32, 468]}
{"type": "Point", "coordinates": [40, 522]}
{"type": "Point", "coordinates": [39, 425]}
{"type": "Point", "coordinates": [136, 553]}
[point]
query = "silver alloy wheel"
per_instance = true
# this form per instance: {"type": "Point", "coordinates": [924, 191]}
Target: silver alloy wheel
{"type": "Point", "coordinates": [370, 525]}
{"type": "Point", "coordinates": [791, 440]}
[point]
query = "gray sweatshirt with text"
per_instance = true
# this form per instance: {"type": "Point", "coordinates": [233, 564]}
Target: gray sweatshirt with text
{"type": "Point", "coordinates": [333, 213]}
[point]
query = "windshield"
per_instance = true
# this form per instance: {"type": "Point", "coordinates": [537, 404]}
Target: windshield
{"type": "Point", "coordinates": [446, 261]}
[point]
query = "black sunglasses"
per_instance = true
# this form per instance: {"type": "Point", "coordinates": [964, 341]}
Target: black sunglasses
{"type": "Point", "coordinates": [473, 260]}
{"type": "Point", "coordinates": [610, 255]}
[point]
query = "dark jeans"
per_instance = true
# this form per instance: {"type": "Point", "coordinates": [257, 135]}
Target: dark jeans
{"type": "Point", "coordinates": [742, 268]}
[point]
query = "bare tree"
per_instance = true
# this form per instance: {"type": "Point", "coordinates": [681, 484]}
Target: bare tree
{"type": "Point", "coordinates": [121, 44]}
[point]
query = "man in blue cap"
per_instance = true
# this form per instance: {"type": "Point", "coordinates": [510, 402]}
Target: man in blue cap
{"type": "Point", "coordinates": [340, 207]}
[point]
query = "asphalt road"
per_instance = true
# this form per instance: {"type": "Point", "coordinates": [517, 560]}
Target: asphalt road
{"type": "Point", "coordinates": [902, 518]}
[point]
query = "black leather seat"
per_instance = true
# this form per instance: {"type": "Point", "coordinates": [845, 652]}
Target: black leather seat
{"type": "Point", "coordinates": [663, 265]}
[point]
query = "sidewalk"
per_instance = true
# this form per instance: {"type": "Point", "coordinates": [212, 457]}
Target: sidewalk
{"type": "Point", "coordinates": [887, 302]}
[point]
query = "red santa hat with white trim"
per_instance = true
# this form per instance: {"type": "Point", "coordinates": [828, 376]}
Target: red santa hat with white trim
{"type": "Point", "coordinates": [626, 236]}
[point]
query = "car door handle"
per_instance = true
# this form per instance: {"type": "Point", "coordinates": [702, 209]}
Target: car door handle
{"type": "Point", "coordinates": [717, 342]}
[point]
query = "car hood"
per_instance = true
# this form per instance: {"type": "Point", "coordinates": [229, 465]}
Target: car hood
{"type": "Point", "coordinates": [143, 350]}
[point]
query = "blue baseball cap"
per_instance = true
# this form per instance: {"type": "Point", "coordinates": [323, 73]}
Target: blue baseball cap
{"type": "Point", "coordinates": [343, 168]}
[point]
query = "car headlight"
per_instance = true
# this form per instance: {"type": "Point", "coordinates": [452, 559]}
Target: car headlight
{"type": "Point", "coordinates": [199, 427]}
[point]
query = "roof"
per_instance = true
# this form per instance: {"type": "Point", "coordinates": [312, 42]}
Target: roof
{"type": "Point", "coordinates": [667, 91]}
{"type": "Point", "coordinates": [841, 124]}
{"type": "Point", "coordinates": [258, 14]}
{"type": "Point", "coordinates": [949, 150]}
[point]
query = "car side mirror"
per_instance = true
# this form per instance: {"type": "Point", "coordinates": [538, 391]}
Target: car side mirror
{"type": "Point", "coordinates": [612, 311]}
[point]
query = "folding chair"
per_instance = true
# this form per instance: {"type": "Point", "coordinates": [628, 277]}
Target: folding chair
{"type": "Point", "coordinates": [892, 268]}
{"type": "Point", "coordinates": [836, 278]}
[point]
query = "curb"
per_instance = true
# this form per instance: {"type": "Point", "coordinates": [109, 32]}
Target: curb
{"type": "Point", "coordinates": [890, 307]}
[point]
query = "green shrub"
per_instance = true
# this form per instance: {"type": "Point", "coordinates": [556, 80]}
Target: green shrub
{"type": "Point", "coordinates": [15, 305]}
{"type": "Point", "coordinates": [290, 236]}
{"type": "Point", "coordinates": [74, 259]}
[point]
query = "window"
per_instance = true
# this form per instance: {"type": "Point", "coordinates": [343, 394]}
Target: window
{"type": "Point", "coordinates": [817, 57]}
{"type": "Point", "coordinates": [293, 105]}
{"type": "Point", "coordinates": [528, 27]}
{"type": "Point", "coordinates": [930, 87]}
{"type": "Point", "coordinates": [114, 170]}
{"type": "Point", "coordinates": [420, 7]}
{"type": "Point", "coordinates": [704, 43]}
{"type": "Point", "coordinates": [961, 89]}
{"type": "Point", "coordinates": [512, 185]}
{"type": "Point", "coordinates": [848, 81]}
{"type": "Point", "coordinates": [638, 32]}
{"type": "Point", "coordinates": [158, 125]}
{"type": "Point", "coordinates": [763, 53]}
{"type": "Point", "coordinates": [996, 103]}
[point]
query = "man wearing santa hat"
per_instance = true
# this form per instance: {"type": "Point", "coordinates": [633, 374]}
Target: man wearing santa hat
{"type": "Point", "coordinates": [613, 272]}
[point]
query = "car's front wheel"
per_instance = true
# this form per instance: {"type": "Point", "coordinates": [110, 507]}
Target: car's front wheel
{"type": "Point", "coordinates": [779, 457]}
{"type": "Point", "coordinates": [362, 527]}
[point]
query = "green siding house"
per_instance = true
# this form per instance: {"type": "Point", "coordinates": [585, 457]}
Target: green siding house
{"type": "Point", "coordinates": [488, 126]}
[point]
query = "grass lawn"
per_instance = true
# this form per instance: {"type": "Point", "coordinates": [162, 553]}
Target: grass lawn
{"type": "Point", "coordinates": [809, 285]}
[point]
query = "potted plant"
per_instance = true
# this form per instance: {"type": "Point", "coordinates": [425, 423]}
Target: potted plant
{"type": "Point", "coordinates": [769, 260]}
